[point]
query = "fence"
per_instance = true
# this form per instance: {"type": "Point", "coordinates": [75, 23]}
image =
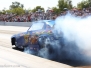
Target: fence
{"type": "Point", "coordinates": [24, 24]}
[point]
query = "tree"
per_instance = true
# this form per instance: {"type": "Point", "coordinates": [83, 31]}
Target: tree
{"type": "Point", "coordinates": [55, 10]}
{"type": "Point", "coordinates": [83, 4]}
{"type": "Point", "coordinates": [29, 10]}
{"type": "Point", "coordinates": [18, 11]}
{"type": "Point", "coordinates": [8, 11]}
{"type": "Point", "coordinates": [1, 12]}
{"type": "Point", "coordinates": [37, 8]}
{"type": "Point", "coordinates": [70, 4]}
{"type": "Point", "coordinates": [64, 4]}
{"type": "Point", "coordinates": [89, 1]}
{"type": "Point", "coordinates": [17, 8]}
{"type": "Point", "coordinates": [16, 5]}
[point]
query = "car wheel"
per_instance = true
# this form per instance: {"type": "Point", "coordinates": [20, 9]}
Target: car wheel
{"type": "Point", "coordinates": [18, 46]}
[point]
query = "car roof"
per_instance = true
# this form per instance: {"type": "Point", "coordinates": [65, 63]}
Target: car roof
{"type": "Point", "coordinates": [49, 22]}
{"type": "Point", "coordinates": [44, 20]}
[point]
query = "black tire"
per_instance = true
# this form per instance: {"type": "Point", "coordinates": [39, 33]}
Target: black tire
{"type": "Point", "coordinates": [18, 48]}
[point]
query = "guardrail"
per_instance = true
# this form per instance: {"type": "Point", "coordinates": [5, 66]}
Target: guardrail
{"type": "Point", "coordinates": [24, 24]}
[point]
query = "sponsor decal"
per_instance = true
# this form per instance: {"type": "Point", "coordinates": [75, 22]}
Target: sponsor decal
{"type": "Point", "coordinates": [49, 32]}
{"type": "Point", "coordinates": [33, 39]}
{"type": "Point", "coordinates": [26, 38]}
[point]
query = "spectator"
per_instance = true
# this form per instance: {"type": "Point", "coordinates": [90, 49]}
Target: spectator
{"type": "Point", "coordinates": [42, 15]}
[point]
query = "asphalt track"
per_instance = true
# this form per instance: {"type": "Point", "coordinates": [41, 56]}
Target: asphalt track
{"type": "Point", "coordinates": [11, 58]}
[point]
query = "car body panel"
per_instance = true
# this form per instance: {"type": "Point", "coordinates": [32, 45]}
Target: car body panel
{"type": "Point", "coordinates": [31, 37]}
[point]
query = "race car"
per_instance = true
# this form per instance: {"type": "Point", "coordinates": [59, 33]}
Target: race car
{"type": "Point", "coordinates": [41, 39]}
{"type": "Point", "coordinates": [36, 32]}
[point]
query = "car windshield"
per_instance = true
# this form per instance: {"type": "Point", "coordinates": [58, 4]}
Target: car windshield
{"type": "Point", "coordinates": [36, 26]}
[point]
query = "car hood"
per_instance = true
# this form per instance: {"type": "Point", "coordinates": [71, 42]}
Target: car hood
{"type": "Point", "coordinates": [20, 34]}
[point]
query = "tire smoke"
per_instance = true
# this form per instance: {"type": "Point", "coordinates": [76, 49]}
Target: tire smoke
{"type": "Point", "coordinates": [74, 45]}
{"type": "Point", "coordinates": [70, 42]}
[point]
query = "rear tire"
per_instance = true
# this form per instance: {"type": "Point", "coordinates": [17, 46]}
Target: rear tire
{"type": "Point", "coordinates": [17, 48]}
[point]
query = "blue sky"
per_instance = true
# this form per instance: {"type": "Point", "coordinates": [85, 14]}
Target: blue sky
{"type": "Point", "coordinates": [29, 4]}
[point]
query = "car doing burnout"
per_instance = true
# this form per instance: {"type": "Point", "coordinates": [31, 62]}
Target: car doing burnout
{"type": "Point", "coordinates": [36, 32]}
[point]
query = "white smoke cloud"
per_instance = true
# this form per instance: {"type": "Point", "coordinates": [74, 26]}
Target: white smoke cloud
{"type": "Point", "coordinates": [70, 42]}
{"type": "Point", "coordinates": [75, 29]}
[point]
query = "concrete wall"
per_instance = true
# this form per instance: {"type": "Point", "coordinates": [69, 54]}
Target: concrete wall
{"type": "Point", "coordinates": [25, 24]}
{"type": "Point", "coordinates": [2, 23]}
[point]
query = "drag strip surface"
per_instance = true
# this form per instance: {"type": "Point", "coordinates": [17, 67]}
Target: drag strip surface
{"type": "Point", "coordinates": [12, 29]}
{"type": "Point", "coordinates": [7, 31]}
{"type": "Point", "coordinates": [22, 60]}
{"type": "Point", "coordinates": [5, 40]}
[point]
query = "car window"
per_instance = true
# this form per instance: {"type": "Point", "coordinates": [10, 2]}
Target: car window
{"type": "Point", "coordinates": [36, 26]}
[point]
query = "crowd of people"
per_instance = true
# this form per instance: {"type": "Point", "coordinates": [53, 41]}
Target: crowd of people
{"type": "Point", "coordinates": [29, 17]}
{"type": "Point", "coordinates": [79, 13]}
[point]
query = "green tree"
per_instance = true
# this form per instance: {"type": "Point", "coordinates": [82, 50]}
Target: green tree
{"type": "Point", "coordinates": [55, 10]}
{"type": "Point", "coordinates": [36, 8]}
{"type": "Point", "coordinates": [1, 12]}
{"type": "Point", "coordinates": [89, 2]}
{"type": "Point", "coordinates": [18, 11]}
{"type": "Point", "coordinates": [16, 5]}
{"type": "Point", "coordinates": [64, 4]}
{"type": "Point", "coordinates": [16, 8]}
{"type": "Point", "coordinates": [4, 11]}
{"type": "Point", "coordinates": [83, 4]}
{"type": "Point", "coordinates": [8, 11]}
{"type": "Point", "coordinates": [29, 10]}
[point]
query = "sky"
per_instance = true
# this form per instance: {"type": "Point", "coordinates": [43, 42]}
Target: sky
{"type": "Point", "coordinates": [30, 4]}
